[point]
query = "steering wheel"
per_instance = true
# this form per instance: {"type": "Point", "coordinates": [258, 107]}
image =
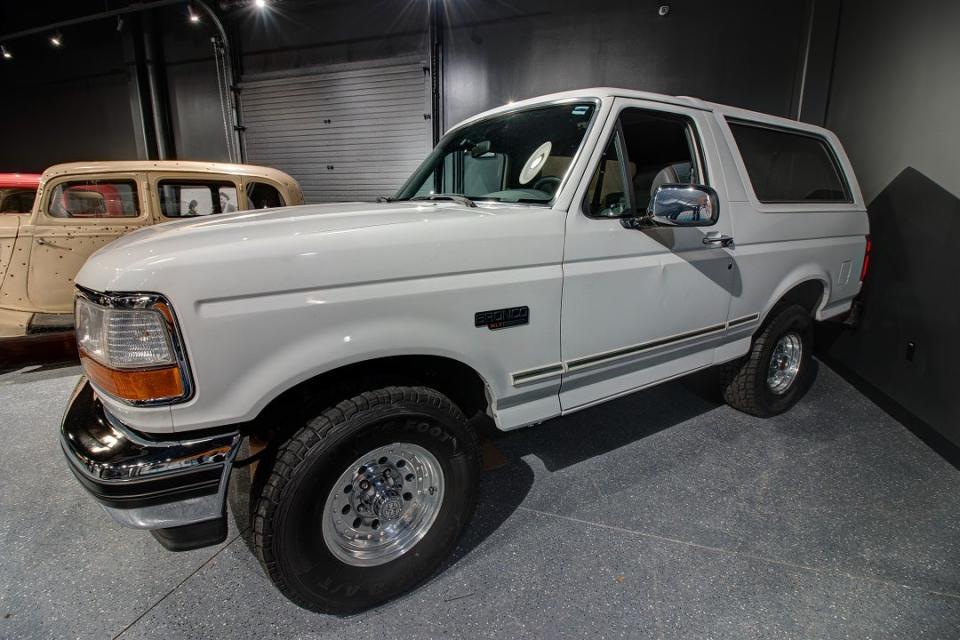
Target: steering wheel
{"type": "Point", "coordinates": [547, 184]}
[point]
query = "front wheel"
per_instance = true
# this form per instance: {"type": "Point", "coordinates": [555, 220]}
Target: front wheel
{"type": "Point", "coordinates": [366, 499]}
{"type": "Point", "coordinates": [777, 371]}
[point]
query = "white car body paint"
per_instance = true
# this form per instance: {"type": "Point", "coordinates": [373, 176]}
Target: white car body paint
{"type": "Point", "coordinates": [268, 299]}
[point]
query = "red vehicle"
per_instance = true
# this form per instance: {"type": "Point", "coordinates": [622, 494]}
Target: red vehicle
{"type": "Point", "coordinates": [18, 191]}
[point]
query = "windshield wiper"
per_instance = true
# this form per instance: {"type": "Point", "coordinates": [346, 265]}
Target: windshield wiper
{"type": "Point", "coordinates": [455, 197]}
{"type": "Point", "coordinates": [385, 199]}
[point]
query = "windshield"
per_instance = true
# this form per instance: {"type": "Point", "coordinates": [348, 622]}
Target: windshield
{"type": "Point", "coordinates": [520, 156]}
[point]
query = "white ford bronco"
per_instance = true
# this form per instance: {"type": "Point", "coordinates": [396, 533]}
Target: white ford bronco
{"type": "Point", "coordinates": [547, 256]}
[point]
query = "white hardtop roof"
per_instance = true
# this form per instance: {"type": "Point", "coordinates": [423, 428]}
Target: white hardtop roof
{"type": "Point", "coordinates": [604, 93]}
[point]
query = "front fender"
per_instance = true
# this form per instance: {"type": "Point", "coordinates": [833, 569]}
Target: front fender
{"type": "Point", "coordinates": [339, 346]}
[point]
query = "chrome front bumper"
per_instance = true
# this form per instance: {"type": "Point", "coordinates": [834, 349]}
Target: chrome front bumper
{"type": "Point", "coordinates": [178, 486]}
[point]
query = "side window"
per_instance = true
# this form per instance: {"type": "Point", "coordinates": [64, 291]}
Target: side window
{"type": "Point", "coordinates": [263, 196]}
{"type": "Point", "coordinates": [607, 194]}
{"type": "Point", "coordinates": [654, 149]}
{"type": "Point", "coordinates": [190, 198]}
{"type": "Point", "coordinates": [17, 201]}
{"type": "Point", "coordinates": [662, 150]}
{"type": "Point", "coordinates": [94, 199]}
{"type": "Point", "coordinates": [786, 166]}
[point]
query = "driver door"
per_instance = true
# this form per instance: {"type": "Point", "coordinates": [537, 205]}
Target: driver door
{"type": "Point", "coordinates": [641, 305]}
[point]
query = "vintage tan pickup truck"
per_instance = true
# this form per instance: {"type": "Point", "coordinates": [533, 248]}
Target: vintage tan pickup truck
{"type": "Point", "coordinates": [82, 206]}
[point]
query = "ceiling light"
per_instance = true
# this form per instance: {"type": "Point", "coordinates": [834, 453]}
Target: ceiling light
{"type": "Point", "coordinates": [6, 52]}
{"type": "Point", "coordinates": [192, 15]}
{"type": "Point", "coordinates": [56, 39]}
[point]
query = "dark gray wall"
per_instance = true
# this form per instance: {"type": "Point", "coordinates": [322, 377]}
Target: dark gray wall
{"type": "Point", "coordinates": [81, 102]}
{"type": "Point", "coordinates": [896, 90]}
{"type": "Point", "coordinates": [736, 52]}
{"type": "Point", "coordinates": [61, 106]}
{"type": "Point", "coordinates": [193, 93]}
{"type": "Point", "coordinates": [740, 53]}
{"type": "Point", "coordinates": [310, 33]}
{"type": "Point", "coordinates": [894, 102]}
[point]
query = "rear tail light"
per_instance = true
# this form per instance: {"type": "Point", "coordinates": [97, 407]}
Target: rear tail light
{"type": "Point", "coordinates": [866, 260]}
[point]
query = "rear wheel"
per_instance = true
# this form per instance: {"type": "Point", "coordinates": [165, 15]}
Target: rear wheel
{"type": "Point", "coordinates": [366, 499]}
{"type": "Point", "coordinates": [777, 371]}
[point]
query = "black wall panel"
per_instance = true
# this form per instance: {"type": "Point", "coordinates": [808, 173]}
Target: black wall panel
{"type": "Point", "coordinates": [736, 52]}
{"type": "Point", "coordinates": [741, 53]}
{"type": "Point", "coordinates": [303, 34]}
{"type": "Point", "coordinates": [893, 102]}
{"type": "Point", "coordinates": [65, 105]}
{"type": "Point", "coordinates": [191, 78]}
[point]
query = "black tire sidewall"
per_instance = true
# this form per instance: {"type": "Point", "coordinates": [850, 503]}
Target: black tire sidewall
{"type": "Point", "coordinates": [791, 320]}
{"type": "Point", "coordinates": [298, 546]}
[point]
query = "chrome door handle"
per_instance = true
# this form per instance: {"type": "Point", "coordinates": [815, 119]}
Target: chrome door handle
{"type": "Point", "coordinates": [717, 238]}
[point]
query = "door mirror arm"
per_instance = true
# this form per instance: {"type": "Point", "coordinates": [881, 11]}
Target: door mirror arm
{"type": "Point", "coordinates": [639, 221]}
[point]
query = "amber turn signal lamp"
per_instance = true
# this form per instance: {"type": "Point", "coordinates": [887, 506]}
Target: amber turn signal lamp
{"type": "Point", "coordinates": [135, 385]}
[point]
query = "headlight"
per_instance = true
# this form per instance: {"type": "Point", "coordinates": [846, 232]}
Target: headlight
{"type": "Point", "coordinates": [130, 349]}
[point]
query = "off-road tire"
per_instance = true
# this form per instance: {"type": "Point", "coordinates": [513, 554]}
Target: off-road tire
{"type": "Point", "coordinates": [287, 528]}
{"type": "Point", "coordinates": [744, 381]}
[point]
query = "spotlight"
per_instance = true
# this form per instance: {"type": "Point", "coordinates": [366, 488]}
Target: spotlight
{"type": "Point", "coordinates": [56, 39]}
{"type": "Point", "coordinates": [260, 4]}
{"type": "Point", "coordinates": [6, 52]}
{"type": "Point", "coordinates": [193, 16]}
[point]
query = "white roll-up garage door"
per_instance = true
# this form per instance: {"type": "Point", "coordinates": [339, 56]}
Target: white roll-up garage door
{"type": "Point", "coordinates": [347, 132]}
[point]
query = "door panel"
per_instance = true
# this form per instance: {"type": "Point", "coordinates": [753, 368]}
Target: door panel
{"type": "Point", "coordinates": [640, 306]}
{"type": "Point", "coordinates": [9, 224]}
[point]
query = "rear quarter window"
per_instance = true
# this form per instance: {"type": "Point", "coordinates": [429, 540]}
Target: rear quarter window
{"type": "Point", "coordinates": [789, 166]}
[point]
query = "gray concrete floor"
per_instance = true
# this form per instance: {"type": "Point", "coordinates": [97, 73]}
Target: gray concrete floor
{"type": "Point", "coordinates": [661, 515]}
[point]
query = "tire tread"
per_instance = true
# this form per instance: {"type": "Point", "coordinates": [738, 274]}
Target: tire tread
{"type": "Point", "coordinates": [314, 434]}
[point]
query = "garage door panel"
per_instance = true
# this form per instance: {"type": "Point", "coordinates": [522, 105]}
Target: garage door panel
{"type": "Point", "coordinates": [339, 95]}
{"type": "Point", "coordinates": [346, 133]}
{"type": "Point", "coordinates": [381, 101]}
{"type": "Point", "coordinates": [385, 69]}
{"type": "Point", "coordinates": [310, 113]}
{"type": "Point", "coordinates": [346, 102]}
{"type": "Point", "coordinates": [404, 121]}
{"type": "Point", "coordinates": [382, 164]}
{"type": "Point", "coordinates": [396, 84]}
{"type": "Point", "coordinates": [298, 147]}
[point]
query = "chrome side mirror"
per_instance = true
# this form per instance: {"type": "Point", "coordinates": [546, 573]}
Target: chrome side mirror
{"type": "Point", "coordinates": [683, 205]}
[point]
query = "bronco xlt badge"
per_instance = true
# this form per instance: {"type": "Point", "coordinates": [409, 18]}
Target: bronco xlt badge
{"type": "Point", "coordinates": [502, 318]}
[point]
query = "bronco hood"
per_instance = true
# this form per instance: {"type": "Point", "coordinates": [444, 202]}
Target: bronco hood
{"type": "Point", "coordinates": [310, 247]}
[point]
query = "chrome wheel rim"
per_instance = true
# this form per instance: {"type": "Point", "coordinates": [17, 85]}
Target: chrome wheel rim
{"type": "Point", "coordinates": [383, 504]}
{"type": "Point", "coordinates": [785, 363]}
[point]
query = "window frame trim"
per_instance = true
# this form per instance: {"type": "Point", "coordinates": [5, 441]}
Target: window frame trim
{"type": "Point", "coordinates": [729, 121]}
